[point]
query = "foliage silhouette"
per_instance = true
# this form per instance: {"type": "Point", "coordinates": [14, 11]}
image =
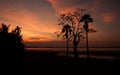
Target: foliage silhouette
{"type": "Point", "coordinates": [11, 43]}
{"type": "Point", "coordinates": [76, 30]}
{"type": "Point", "coordinates": [86, 18]}
{"type": "Point", "coordinates": [67, 31]}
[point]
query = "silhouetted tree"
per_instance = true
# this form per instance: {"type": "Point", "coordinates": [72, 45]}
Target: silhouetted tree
{"type": "Point", "coordinates": [67, 31]}
{"type": "Point", "coordinates": [4, 28]}
{"type": "Point", "coordinates": [86, 19]}
{"type": "Point", "coordinates": [11, 43]}
{"type": "Point", "coordinates": [73, 21]}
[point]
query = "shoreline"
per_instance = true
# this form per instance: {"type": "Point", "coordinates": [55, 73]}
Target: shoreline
{"type": "Point", "coordinates": [56, 56]}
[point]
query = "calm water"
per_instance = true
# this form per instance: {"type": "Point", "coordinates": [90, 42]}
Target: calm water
{"type": "Point", "coordinates": [110, 54]}
{"type": "Point", "coordinates": [71, 49]}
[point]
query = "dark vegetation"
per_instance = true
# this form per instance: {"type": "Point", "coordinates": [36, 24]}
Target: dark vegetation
{"type": "Point", "coordinates": [11, 44]}
{"type": "Point", "coordinates": [73, 29]}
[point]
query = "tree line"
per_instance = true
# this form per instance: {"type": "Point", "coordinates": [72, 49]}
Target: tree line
{"type": "Point", "coordinates": [11, 43]}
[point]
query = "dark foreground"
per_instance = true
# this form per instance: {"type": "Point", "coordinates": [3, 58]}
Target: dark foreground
{"type": "Point", "coordinates": [54, 57]}
{"type": "Point", "coordinates": [50, 62]}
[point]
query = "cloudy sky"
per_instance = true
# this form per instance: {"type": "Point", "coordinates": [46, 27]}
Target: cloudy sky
{"type": "Point", "coordinates": [38, 19]}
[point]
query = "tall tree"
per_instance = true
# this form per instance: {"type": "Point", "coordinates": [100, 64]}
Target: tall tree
{"type": "Point", "coordinates": [67, 31]}
{"type": "Point", "coordinates": [73, 20]}
{"type": "Point", "coordinates": [86, 19]}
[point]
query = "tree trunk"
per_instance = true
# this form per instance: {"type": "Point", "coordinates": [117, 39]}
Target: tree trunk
{"type": "Point", "coordinates": [76, 55]}
{"type": "Point", "coordinates": [67, 47]}
{"type": "Point", "coordinates": [87, 45]}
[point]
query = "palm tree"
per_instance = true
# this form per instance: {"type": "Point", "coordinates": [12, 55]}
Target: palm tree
{"type": "Point", "coordinates": [11, 43]}
{"type": "Point", "coordinates": [67, 30]}
{"type": "Point", "coordinates": [4, 28]}
{"type": "Point", "coordinates": [86, 19]}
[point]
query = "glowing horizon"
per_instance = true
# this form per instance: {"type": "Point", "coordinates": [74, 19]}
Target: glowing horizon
{"type": "Point", "coordinates": [38, 18]}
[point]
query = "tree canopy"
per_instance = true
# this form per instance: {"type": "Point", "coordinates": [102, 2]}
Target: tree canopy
{"type": "Point", "coordinates": [73, 28]}
{"type": "Point", "coordinates": [11, 43]}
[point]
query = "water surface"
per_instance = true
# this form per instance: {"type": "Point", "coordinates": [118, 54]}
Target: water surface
{"type": "Point", "coordinates": [111, 54]}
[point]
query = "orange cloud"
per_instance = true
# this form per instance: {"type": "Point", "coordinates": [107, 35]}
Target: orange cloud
{"type": "Point", "coordinates": [62, 6]}
{"type": "Point", "coordinates": [108, 17]}
{"type": "Point", "coordinates": [31, 25]}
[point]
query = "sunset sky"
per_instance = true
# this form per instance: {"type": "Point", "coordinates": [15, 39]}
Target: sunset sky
{"type": "Point", "coordinates": [38, 19]}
